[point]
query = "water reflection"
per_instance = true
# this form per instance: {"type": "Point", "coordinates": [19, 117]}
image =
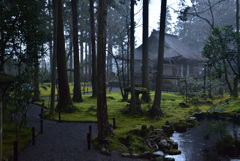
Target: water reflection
{"type": "Point", "coordinates": [195, 148]}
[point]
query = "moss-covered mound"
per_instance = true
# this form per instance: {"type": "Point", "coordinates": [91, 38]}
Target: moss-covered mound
{"type": "Point", "coordinates": [147, 143]}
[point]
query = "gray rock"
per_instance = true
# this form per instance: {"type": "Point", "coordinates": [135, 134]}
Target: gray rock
{"type": "Point", "coordinates": [158, 153]}
{"type": "Point", "coordinates": [159, 159]}
{"type": "Point", "coordinates": [168, 129]}
{"type": "Point", "coordinates": [199, 115]}
{"type": "Point", "coordinates": [105, 151]}
{"type": "Point", "coordinates": [169, 159]}
{"type": "Point", "coordinates": [192, 118]}
{"type": "Point", "coordinates": [170, 141]}
{"type": "Point", "coordinates": [159, 130]}
{"type": "Point", "coordinates": [146, 154]}
{"type": "Point", "coordinates": [135, 155]}
{"type": "Point", "coordinates": [126, 154]}
{"type": "Point", "coordinates": [188, 116]}
{"type": "Point", "coordinates": [175, 145]}
{"type": "Point", "coordinates": [148, 143]}
{"type": "Point", "coordinates": [163, 143]}
{"type": "Point", "coordinates": [152, 127]}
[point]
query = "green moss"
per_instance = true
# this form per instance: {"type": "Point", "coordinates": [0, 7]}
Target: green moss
{"type": "Point", "coordinates": [45, 89]}
{"type": "Point", "coordinates": [116, 145]}
{"type": "Point", "coordinates": [95, 142]}
{"type": "Point", "coordinates": [9, 136]}
{"type": "Point", "coordinates": [126, 122]}
{"type": "Point", "coordinates": [174, 152]}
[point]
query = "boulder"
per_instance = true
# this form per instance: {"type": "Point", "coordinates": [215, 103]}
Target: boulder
{"type": "Point", "coordinates": [105, 151]}
{"type": "Point", "coordinates": [146, 154]}
{"type": "Point", "coordinates": [174, 152]}
{"type": "Point", "coordinates": [163, 145]}
{"type": "Point", "coordinates": [175, 145]}
{"type": "Point", "coordinates": [152, 127]}
{"type": "Point", "coordinates": [126, 154]}
{"type": "Point", "coordinates": [169, 159]}
{"type": "Point", "coordinates": [168, 130]}
{"type": "Point", "coordinates": [192, 118]}
{"type": "Point", "coordinates": [181, 127]}
{"type": "Point", "coordinates": [159, 159]}
{"type": "Point", "coordinates": [135, 155]}
{"type": "Point", "coordinates": [199, 115]}
{"type": "Point", "coordinates": [158, 153]}
{"type": "Point", "coordinates": [159, 130]}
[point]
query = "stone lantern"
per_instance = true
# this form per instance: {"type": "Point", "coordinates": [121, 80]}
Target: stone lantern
{"type": "Point", "coordinates": [5, 81]}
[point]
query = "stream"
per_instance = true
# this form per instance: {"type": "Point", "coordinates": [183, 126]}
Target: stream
{"type": "Point", "coordinates": [195, 148]}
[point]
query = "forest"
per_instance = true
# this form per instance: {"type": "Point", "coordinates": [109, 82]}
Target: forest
{"type": "Point", "coordinates": [100, 65]}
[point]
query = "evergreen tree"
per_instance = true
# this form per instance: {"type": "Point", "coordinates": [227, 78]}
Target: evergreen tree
{"type": "Point", "coordinates": [77, 96]}
{"type": "Point", "coordinates": [104, 129]}
{"type": "Point", "coordinates": [156, 107]}
{"type": "Point", "coordinates": [64, 92]}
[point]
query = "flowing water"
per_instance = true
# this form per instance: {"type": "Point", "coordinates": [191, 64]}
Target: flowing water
{"type": "Point", "coordinates": [195, 148]}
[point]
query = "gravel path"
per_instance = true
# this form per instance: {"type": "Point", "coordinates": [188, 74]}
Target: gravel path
{"type": "Point", "coordinates": [63, 142]}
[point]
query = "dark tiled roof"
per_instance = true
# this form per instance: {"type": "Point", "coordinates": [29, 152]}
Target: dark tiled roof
{"type": "Point", "coordinates": [174, 48]}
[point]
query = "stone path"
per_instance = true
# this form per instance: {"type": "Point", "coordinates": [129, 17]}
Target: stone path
{"type": "Point", "coordinates": [63, 142]}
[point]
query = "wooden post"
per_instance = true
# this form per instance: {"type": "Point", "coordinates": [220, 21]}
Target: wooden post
{"type": "Point", "coordinates": [90, 130]}
{"type": "Point", "coordinates": [42, 110]}
{"type": "Point", "coordinates": [59, 116]}
{"type": "Point", "coordinates": [114, 123]}
{"type": "Point", "coordinates": [33, 135]}
{"type": "Point", "coordinates": [89, 141]}
{"type": "Point", "coordinates": [15, 150]}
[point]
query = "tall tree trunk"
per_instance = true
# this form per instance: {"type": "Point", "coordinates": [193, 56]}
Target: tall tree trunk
{"type": "Point", "coordinates": [36, 93]}
{"type": "Point", "coordinates": [86, 62]}
{"type": "Point", "coordinates": [145, 69]}
{"type": "Point", "coordinates": [133, 107]}
{"type": "Point", "coordinates": [226, 78]}
{"type": "Point", "coordinates": [2, 61]}
{"type": "Point", "coordinates": [2, 49]}
{"type": "Point", "coordinates": [81, 48]}
{"type": "Point", "coordinates": [125, 96]}
{"type": "Point", "coordinates": [51, 38]}
{"type": "Point", "coordinates": [77, 96]}
{"type": "Point", "coordinates": [64, 92]}
{"type": "Point", "coordinates": [53, 81]}
{"type": "Point", "coordinates": [94, 61]}
{"type": "Point", "coordinates": [156, 107]}
{"type": "Point", "coordinates": [104, 129]}
{"type": "Point", "coordinates": [109, 58]}
{"type": "Point", "coordinates": [128, 53]}
{"type": "Point", "coordinates": [71, 79]}
{"type": "Point", "coordinates": [238, 47]}
{"type": "Point", "coordinates": [90, 59]}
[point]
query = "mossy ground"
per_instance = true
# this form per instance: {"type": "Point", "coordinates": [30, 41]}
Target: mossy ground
{"type": "Point", "coordinates": [87, 111]}
{"type": "Point", "coordinates": [45, 89]}
{"type": "Point", "coordinates": [9, 136]}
